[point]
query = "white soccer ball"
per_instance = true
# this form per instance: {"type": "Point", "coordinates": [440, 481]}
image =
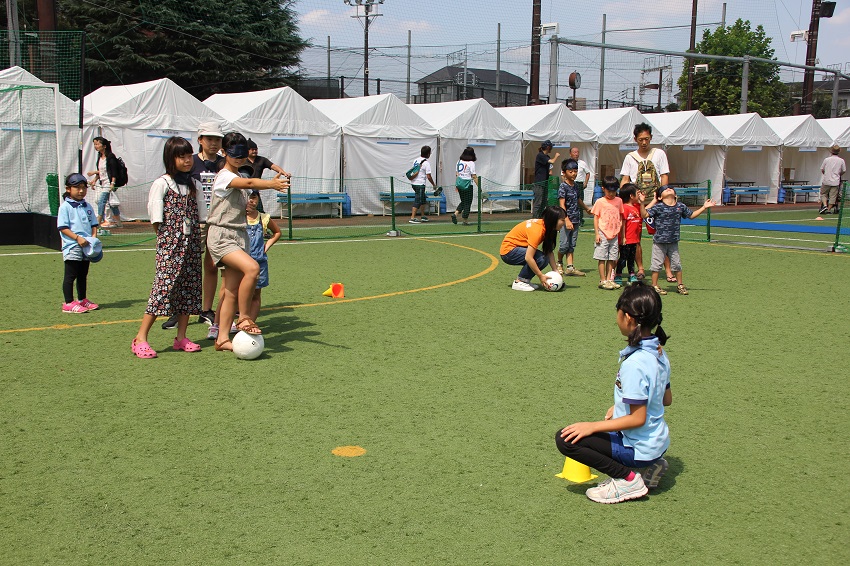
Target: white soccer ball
{"type": "Point", "coordinates": [556, 282]}
{"type": "Point", "coordinates": [248, 346]}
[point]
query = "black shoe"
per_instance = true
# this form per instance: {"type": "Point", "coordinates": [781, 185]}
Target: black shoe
{"type": "Point", "coordinates": [207, 317]}
{"type": "Point", "coordinates": [823, 210]}
{"type": "Point", "coordinates": [170, 323]}
{"type": "Point", "coordinates": [454, 218]}
{"type": "Point", "coordinates": [438, 191]}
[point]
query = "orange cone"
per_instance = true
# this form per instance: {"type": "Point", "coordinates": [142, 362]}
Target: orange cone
{"type": "Point", "coordinates": [337, 291]}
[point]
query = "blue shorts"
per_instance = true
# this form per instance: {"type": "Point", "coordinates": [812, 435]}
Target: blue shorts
{"type": "Point", "coordinates": [263, 278]}
{"type": "Point", "coordinates": [625, 454]}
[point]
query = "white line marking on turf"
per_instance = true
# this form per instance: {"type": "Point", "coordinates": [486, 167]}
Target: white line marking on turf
{"type": "Point", "coordinates": [408, 238]}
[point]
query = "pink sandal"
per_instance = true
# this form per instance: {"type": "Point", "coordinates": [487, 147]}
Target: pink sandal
{"type": "Point", "coordinates": [186, 345]}
{"type": "Point", "coordinates": [143, 350]}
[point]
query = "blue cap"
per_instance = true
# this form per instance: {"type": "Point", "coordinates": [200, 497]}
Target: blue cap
{"type": "Point", "coordinates": [75, 179]}
{"type": "Point", "coordinates": [93, 250]}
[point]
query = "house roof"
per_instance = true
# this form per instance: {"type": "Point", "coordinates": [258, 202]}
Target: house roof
{"type": "Point", "coordinates": [488, 76]}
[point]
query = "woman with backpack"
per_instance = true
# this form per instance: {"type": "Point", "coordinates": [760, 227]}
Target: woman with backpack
{"type": "Point", "coordinates": [104, 178]}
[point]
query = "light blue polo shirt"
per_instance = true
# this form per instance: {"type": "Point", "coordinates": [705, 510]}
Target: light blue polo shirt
{"type": "Point", "coordinates": [643, 377]}
{"type": "Point", "coordinates": [78, 215]}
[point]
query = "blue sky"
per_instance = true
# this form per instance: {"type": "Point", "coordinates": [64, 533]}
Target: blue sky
{"type": "Point", "coordinates": [440, 26]}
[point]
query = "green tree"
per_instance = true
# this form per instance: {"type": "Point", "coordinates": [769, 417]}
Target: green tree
{"type": "Point", "coordinates": [718, 91]}
{"type": "Point", "coordinates": [205, 47]}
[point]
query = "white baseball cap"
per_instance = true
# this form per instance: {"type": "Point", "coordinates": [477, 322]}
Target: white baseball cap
{"type": "Point", "coordinates": [210, 129]}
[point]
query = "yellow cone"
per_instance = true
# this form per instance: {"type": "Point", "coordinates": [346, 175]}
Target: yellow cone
{"type": "Point", "coordinates": [329, 292]}
{"type": "Point", "coordinates": [576, 472]}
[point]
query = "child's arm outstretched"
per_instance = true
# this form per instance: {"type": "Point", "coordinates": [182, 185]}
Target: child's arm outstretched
{"type": "Point", "coordinates": [708, 204]}
{"type": "Point", "coordinates": [576, 431]}
{"type": "Point", "coordinates": [248, 184]}
{"type": "Point", "coordinates": [275, 230]}
{"type": "Point", "coordinates": [643, 209]}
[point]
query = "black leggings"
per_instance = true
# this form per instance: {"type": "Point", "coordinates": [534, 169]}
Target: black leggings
{"type": "Point", "coordinates": [628, 252]}
{"type": "Point", "coordinates": [593, 451]}
{"type": "Point", "coordinates": [75, 270]}
{"type": "Point", "coordinates": [465, 202]}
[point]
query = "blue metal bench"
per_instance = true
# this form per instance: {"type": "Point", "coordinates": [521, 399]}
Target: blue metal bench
{"type": "Point", "coordinates": [407, 197]}
{"type": "Point", "coordinates": [333, 199]}
{"type": "Point", "coordinates": [792, 191]}
{"type": "Point", "coordinates": [519, 195]}
{"type": "Point", "coordinates": [691, 192]}
{"type": "Point", "coordinates": [752, 192]}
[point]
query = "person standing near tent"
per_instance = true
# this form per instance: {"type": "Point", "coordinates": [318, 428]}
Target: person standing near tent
{"type": "Point", "coordinates": [465, 184]}
{"type": "Point", "coordinates": [260, 164]}
{"type": "Point", "coordinates": [832, 169]}
{"type": "Point", "coordinates": [646, 167]}
{"type": "Point", "coordinates": [423, 173]}
{"type": "Point", "coordinates": [585, 176]}
{"type": "Point", "coordinates": [542, 168]}
{"type": "Point", "coordinates": [206, 161]}
{"type": "Point", "coordinates": [103, 177]}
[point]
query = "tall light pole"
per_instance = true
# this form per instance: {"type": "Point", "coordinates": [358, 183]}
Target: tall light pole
{"type": "Point", "coordinates": [819, 10]}
{"type": "Point", "coordinates": [368, 5]}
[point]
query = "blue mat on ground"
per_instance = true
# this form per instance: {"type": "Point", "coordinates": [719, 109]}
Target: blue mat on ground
{"type": "Point", "coordinates": [771, 227]}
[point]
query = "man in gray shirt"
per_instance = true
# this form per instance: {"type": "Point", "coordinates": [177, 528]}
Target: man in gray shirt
{"type": "Point", "coordinates": [832, 169]}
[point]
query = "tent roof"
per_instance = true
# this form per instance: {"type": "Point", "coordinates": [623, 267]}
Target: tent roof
{"type": "Point", "coordinates": [612, 125]}
{"type": "Point", "coordinates": [547, 122]}
{"type": "Point", "coordinates": [68, 108]}
{"type": "Point", "coordinates": [467, 119]}
{"type": "Point", "coordinates": [799, 131]}
{"type": "Point", "coordinates": [685, 128]}
{"type": "Point", "coordinates": [374, 116]}
{"type": "Point", "coordinates": [745, 129]}
{"type": "Point", "coordinates": [838, 129]}
{"type": "Point", "coordinates": [274, 110]}
{"type": "Point", "coordinates": [149, 105]}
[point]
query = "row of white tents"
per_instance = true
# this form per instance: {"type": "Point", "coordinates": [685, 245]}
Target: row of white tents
{"type": "Point", "coordinates": [331, 144]}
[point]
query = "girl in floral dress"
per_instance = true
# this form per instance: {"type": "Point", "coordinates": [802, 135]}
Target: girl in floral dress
{"type": "Point", "coordinates": [175, 213]}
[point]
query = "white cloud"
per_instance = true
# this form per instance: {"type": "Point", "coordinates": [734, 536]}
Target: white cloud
{"type": "Point", "coordinates": [417, 25]}
{"type": "Point", "coordinates": [314, 17]}
{"type": "Point", "coordinates": [840, 19]}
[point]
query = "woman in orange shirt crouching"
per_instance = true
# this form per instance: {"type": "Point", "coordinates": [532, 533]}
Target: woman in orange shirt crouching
{"type": "Point", "coordinates": [520, 247]}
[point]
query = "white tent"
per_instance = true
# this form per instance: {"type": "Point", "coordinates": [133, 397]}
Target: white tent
{"type": "Point", "coordinates": [473, 123]}
{"type": "Point", "coordinates": [614, 128]}
{"type": "Point", "coordinates": [694, 148]}
{"type": "Point", "coordinates": [752, 150]}
{"type": "Point", "coordinates": [558, 124]}
{"type": "Point", "coordinates": [288, 131]}
{"type": "Point", "coordinates": [381, 139]}
{"type": "Point", "coordinates": [838, 129]}
{"type": "Point", "coordinates": [805, 145]}
{"type": "Point", "coordinates": [138, 119]}
{"type": "Point", "coordinates": [27, 130]}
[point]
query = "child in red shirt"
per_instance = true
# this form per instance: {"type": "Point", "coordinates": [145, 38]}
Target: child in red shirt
{"type": "Point", "coordinates": [634, 227]}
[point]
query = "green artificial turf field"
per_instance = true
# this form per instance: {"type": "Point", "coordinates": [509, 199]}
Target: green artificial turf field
{"type": "Point", "coordinates": [453, 384]}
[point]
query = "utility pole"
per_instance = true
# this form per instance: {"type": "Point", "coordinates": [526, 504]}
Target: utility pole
{"type": "Point", "coordinates": [407, 99]}
{"type": "Point", "coordinates": [368, 5]}
{"type": "Point", "coordinates": [690, 61]}
{"type": "Point", "coordinates": [811, 57]}
{"type": "Point", "coordinates": [14, 33]}
{"type": "Point", "coordinates": [602, 64]}
{"type": "Point", "coordinates": [535, 52]}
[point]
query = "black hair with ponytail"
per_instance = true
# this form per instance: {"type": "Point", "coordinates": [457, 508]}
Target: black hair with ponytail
{"type": "Point", "coordinates": [643, 304]}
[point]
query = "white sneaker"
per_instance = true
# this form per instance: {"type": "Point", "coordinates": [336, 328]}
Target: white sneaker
{"type": "Point", "coordinates": [522, 286]}
{"type": "Point", "coordinates": [413, 221]}
{"type": "Point", "coordinates": [653, 473]}
{"type": "Point", "coordinates": [614, 490]}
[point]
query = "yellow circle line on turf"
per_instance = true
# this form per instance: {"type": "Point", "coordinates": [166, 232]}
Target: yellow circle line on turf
{"type": "Point", "coordinates": [494, 262]}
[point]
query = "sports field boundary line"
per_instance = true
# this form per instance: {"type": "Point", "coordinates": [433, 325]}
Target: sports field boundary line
{"type": "Point", "coordinates": [292, 243]}
{"type": "Point", "coordinates": [494, 263]}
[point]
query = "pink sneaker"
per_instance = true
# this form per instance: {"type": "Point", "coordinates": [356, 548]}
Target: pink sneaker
{"type": "Point", "coordinates": [74, 307]}
{"type": "Point", "coordinates": [89, 305]}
